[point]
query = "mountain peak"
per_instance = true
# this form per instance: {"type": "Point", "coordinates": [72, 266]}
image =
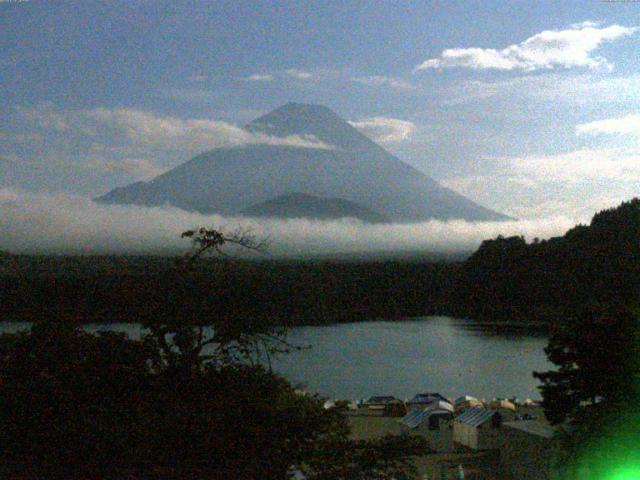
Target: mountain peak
{"type": "Point", "coordinates": [303, 109]}
{"type": "Point", "coordinates": [357, 178]}
{"type": "Point", "coordinates": [306, 107]}
{"type": "Point", "coordinates": [306, 119]}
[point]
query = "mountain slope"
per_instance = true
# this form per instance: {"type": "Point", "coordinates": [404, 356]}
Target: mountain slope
{"type": "Point", "coordinates": [302, 205]}
{"type": "Point", "coordinates": [230, 180]}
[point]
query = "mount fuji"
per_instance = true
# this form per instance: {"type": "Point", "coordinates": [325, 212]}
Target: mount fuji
{"type": "Point", "coordinates": [347, 175]}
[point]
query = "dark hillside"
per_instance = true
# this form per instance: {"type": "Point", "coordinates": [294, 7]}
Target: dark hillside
{"type": "Point", "coordinates": [125, 289]}
{"type": "Point", "coordinates": [508, 279]}
{"type": "Point", "coordinates": [301, 205]}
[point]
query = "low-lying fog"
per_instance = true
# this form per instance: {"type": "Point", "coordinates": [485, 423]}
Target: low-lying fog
{"type": "Point", "coordinates": [69, 224]}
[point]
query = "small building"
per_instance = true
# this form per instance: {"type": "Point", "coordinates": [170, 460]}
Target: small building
{"type": "Point", "coordinates": [423, 400]}
{"type": "Point", "coordinates": [380, 400]}
{"type": "Point", "coordinates": [465, 402]}
{"type": "Point", "coordinates": [385, 406]}
{"type": "Point", "coordinates": [527, 450]}
{"type": "Point", "coordinates": [429, 418]}
{"type": "Point", "coordinates": [432, 423]}
{"type": "Point", "coordinates": [477, 429]}
{"type": "Point", "coordinates": [502, 403]}
{"type": "Point", "coordinates": [505, 408]}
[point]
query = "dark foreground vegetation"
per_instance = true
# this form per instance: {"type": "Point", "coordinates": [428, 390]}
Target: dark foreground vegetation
{"type": "Point", "coordinates": [183, 402]}
{"type": "Point", "coordinates": [103, 406]}
{"type": "Point", "coordinates": [506, 279]}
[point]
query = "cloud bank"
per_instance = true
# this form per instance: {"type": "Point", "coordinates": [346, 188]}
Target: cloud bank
{"type": "Point", "coordinates": [148, 130]}
{"type": "Point", "coordinates": [123, 143]}
{"type": "Point", "coordinates": [577, 183]}
{"type": "Point", "coordinates": [572, 47]}
{"type": "Point", "coordinates": [629, 124]}
{"type": "Point", "coordinates": [260, 77]}
{"type": "Point", "coordinates": [385, 129]}
{"type": "Point", "coordinates": [580, 165]}
{"type": "Point", "coordinates": [299, 74]}
{"type": "Point", "coordinates": [70, 224]}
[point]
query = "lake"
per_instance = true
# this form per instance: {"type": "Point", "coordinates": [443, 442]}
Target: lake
{"type": "Point", "coordinates": [401, 358]}
{"type": "Point", "coordinates": [434, 354]}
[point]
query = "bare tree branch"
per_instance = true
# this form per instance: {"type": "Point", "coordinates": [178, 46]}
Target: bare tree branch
{"type": "Point", "coordinates": [211, 239]}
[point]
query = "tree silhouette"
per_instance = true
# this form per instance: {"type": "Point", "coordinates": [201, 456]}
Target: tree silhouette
{"type": "Point", "coordinates": [596, 385]}
{"type": "Point", "coordinates": [190, 400]}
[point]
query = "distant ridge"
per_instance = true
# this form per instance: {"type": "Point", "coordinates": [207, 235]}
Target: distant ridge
{"type": "Point", "coordinates": [355, 169]}
{"type": "Point", "coordinates": [302, 205]}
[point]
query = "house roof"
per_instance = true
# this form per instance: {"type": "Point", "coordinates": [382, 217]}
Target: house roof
{"type": "Point", "coordinates": [440, 405]}
{"type": "Point", "coordinates": [413, 418]}
{"type": "Point", "coordinates": [475, 416]}
{"type": "Point", "coordinates": [416, 417]}
{"type": "Point", "coordinates": [425, 398]}
{"type": "Point", "coordinates": [465, 398]}
{"type": "Point", "coordinates": [460, 407]}
{"type": "Point", "coordinates": [532, 427]}
{"type": "Point", "coordinates": [381, 399]}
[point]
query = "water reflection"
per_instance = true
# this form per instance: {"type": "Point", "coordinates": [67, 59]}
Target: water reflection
{"type": "Point", "coordinates": [451, 356]}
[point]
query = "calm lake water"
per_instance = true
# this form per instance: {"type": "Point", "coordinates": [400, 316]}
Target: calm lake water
{"type": "Point", "coordinates": [441, 354]}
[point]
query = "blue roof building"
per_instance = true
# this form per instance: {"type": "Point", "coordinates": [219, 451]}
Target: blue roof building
{"type": "Point", "coordinates": [477, 429]}
{"type": "Point", "coordinates": [422, 400]}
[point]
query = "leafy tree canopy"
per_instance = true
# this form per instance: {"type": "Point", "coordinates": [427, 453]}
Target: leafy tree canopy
{"type": "Point", "coordinates": [593, 395]}
{"type": "Point", "coordinates": [190, 400]}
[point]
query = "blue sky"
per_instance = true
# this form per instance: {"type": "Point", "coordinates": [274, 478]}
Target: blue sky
{"type": "Point", "coordinates": [530, 108]}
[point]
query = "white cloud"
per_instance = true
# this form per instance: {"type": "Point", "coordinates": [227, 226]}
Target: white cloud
{"type": "Point", "coordinates": [93, 148]}
{"type": "Point", "coordinates": [574, 184]}
{"type": "Point", "coordinates": [549, 49]}
{"type": "Point", "coordinates": [381, 81]}
{"type": "Point", "coordinates": [144, 128]}
{"type": "Point", "coordinates": [151, 131]}
{"type": "Point", "coordinates": [580, 165]}
{"type": "Point", "coordinates": [592, 88]}
{"type": "Point", "coordinates": [528, 197]}
{"type": "Point", "coordinates": [629, 124]}
{"type": "Point", "coordinates": [260, 77]}
{"type": "Point", "coordinates": [384, 129]}
{"type": "Point", "coordinates": [63, 223]}
{"type": "Point", "coordinates": [299, 74]}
